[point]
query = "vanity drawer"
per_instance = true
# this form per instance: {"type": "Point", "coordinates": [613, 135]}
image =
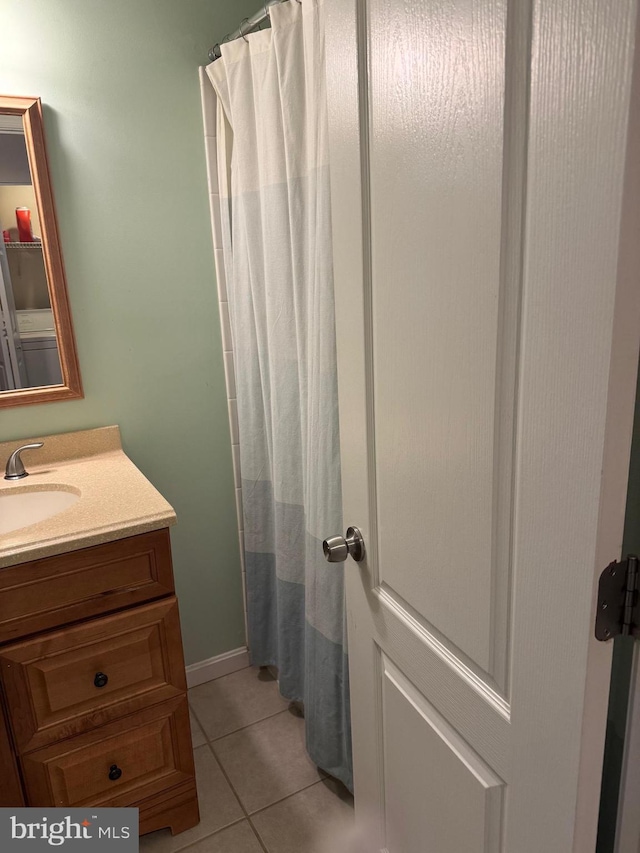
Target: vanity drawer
{"type": "Point", "coordinates": [61, 684]}
{"type": "Point", "coordinates": [119, 765]}
{"type": "Point", "coordinates": [52, 592]}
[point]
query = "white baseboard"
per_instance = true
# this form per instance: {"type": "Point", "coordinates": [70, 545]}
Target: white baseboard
{"type": "Point", "coordinates": [207, 670]}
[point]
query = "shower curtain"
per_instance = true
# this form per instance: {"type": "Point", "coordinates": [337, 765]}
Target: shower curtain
{"type": "Point", "coordinates": [273, 175]}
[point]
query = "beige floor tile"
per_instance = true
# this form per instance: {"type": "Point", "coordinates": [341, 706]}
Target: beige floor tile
{"type": "Point", "coordinates": [218, 808]}
{"type": "Point", "coordinates": [267, 761]}
{"type": "Point", "coordinates": [236, 700]}
{"type": "Point", "coordinates": [316, 820]}
{"type": "Point", "coordinates": [198, 737]}
{"type": "Point", "coordinates": [239, 838]}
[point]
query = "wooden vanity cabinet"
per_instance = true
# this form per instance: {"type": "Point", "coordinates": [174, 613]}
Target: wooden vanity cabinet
{"type": "Point", "coordinates": [94, 703]}
{"type": "Point", "coordinates": [10, 786]}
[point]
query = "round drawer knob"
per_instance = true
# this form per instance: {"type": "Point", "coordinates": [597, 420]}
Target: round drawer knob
{"type": "Point", "coordinates": [114, 773]}
{"type": "Point", "coordinates": [101, 679]}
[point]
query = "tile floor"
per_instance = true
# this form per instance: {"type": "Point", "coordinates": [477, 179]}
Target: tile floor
{"type": "Point", "coordinates": [258, 790]}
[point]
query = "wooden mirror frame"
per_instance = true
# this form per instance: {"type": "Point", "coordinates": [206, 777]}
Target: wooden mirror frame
{"type": "Point", "coordinates": [30, 109]}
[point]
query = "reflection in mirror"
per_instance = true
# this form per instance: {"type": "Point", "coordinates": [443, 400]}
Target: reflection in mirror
{"type": "Point", "coordinates": [37, 349]}
{"type": "Point", "coordinates": [29, 357]}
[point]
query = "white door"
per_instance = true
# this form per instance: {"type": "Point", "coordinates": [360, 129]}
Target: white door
{"type": "Point", "coordinates": [487, 344]}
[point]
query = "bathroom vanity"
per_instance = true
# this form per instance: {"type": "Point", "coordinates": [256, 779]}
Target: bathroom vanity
{"type": "Point", "coordinates": [92, 678]}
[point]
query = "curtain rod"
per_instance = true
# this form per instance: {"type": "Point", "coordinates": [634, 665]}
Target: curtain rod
{"type": "Point", "coordinates": [245, 27]}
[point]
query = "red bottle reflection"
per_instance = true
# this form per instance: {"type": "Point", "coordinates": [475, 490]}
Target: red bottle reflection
{"type": "Point", "coordinates": [23, 217]}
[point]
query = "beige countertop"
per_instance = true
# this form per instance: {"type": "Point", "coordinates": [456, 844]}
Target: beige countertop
{"type": "Point", "coordinates": [116, 499]}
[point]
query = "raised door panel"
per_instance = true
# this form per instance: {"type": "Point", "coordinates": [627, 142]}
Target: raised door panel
{"type": "Point", "coordinates": [54, 591]}
{"type": "Point", "coordinates": [441, 298]}
{"type": "Point", "coordinates": [421, 803]}
{"type": "Point", "coordinates": [68, 682]}
{"type": "Point", "coordinates": [151, 750]}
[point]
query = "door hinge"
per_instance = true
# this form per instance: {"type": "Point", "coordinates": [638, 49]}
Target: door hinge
{"type": "Point", "coordinates": [618, 611]}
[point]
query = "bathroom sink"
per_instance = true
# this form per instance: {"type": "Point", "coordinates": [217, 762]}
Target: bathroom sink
{"type": "Point", "coordinates": [23, 508]}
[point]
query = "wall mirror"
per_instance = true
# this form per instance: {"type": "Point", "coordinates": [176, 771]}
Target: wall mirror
{"type": "Point", "coordinates": [38, 359]}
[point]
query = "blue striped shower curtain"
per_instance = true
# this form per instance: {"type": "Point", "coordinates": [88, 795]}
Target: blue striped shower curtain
{"type": "Point", "coordinates": [273, 174]}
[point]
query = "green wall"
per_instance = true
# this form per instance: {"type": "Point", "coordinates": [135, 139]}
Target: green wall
{"type": "Point", "coordinates": [119, 84]}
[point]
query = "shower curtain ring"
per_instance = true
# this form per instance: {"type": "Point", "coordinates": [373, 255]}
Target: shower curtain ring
{"type": "Point", "coordinates": [246, 20]}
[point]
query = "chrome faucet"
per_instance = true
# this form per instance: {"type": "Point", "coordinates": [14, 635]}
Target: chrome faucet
{"type": "Point", "coordinates": [15, 468]}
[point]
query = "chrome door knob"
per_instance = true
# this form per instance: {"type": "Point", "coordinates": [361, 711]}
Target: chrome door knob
{"type": "Point", "coordinates": [337, 548]}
